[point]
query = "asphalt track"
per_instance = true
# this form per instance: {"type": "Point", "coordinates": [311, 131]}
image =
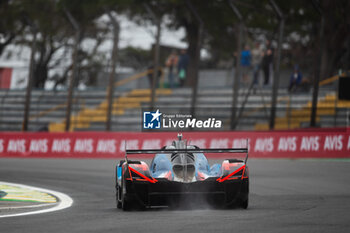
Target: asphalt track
{"type": "Point", "coordinates": [285, 196]}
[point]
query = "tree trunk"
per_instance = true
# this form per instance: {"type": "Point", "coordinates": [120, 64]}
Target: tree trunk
{"type": "Point", "coordinates": [114, 57]}
{"type": "Point", "coordinates": [193, 33]}
{"type": "Point", "coordinates": [40, 75]}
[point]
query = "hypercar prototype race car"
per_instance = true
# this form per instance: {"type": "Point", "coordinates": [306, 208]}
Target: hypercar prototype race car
{"type": "Point", "coordinates": [181, 172]}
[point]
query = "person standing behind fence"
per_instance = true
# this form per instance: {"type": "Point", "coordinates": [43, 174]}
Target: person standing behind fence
{"type": "Point", "coordinates": [245, 64]}
{"type": "Point", "coordinates": [257, 55]}
{"type": "Point", "coordinates": [171, 63]}
{"type": "Point", "coordinates": [267, 65]}
{"type": "Point", "coordinates": [184, 59]}
{"type": "Point", "coordinates": [295, 79]}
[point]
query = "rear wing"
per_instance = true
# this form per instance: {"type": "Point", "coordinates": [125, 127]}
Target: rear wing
{"type": "Point", "coordinates": [173, 151]}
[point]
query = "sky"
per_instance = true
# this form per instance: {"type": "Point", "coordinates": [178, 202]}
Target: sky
{"type": "Point", "coordinates": [143, 37]}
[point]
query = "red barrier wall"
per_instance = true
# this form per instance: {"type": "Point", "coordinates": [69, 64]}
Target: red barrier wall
{"type": "Point", "coordinates": [316, 143]}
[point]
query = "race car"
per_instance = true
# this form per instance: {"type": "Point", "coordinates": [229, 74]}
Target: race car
{"type": "Point", "coordinates": [181, 173]}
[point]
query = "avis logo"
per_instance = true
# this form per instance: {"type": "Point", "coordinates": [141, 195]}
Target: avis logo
{"type": "Point", "coordinates": [151, 120]}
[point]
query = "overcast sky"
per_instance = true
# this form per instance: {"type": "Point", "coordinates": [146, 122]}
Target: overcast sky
{"type": "Point", "coordinates": [143, 36]}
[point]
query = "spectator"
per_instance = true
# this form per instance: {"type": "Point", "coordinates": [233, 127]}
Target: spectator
{"type": "Point", "coordinates": [295, 79]}
{"type": "Point", "coordinates": [182, 65]}
{"type": "Point", "coordinates": [267, 65]}
{"type": "Point", "coordinates": [257, 55]}
{"type": "Point", "coordinates": [245, 63]}
{"type": "Point", "coordinates": [150, 71]}
{"type": "Point", "coordinates": [171, 63]}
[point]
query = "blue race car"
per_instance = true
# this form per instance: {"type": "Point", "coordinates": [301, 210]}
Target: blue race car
{"type": "Point", "coordinates": [181, 172]}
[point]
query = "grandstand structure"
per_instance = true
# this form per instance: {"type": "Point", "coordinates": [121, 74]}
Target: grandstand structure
{"type": "Point", "coordinates": [89, 111]}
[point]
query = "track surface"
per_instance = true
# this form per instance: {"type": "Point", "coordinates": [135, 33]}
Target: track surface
{"type": "Point", "coordinates": [286, 196]}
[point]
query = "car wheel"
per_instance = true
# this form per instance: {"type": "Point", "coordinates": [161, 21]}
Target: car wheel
{"type": "Point", "coordinates": [118, 197]}
{"type": "Point", "coordinates": [244, 204]}
{"type": "Point", "coordinates": [125, 204]}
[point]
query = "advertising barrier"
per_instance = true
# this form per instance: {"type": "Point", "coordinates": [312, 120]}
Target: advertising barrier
{"type": "Point", "coordinates": [315, 143]}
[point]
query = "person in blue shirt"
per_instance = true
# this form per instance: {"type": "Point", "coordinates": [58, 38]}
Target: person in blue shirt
{"type": "Point", "coordinates": [245, 63]}
{"type": "Point", "coordinates": [295, 79]}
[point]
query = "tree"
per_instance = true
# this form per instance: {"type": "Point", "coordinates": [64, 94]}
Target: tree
{"type": "Point", "coordinates": [336, 53]}
{"type": "Point", "coordinates": [215, 19]}
{"type": "Point", "coordinates": [56, 35]}
{"type": "Point", "coordinates": [52, 35]}
{"type": "Point", "coordinates": [302, 30]}
{"type": "Point", "coordinates": [11, 23]}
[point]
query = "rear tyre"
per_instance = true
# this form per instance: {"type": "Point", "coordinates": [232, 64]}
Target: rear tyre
{"type": "Point", "coordinates": [125, 204]}
{"type": "Point", "coordinates": [118, 190]}
{"type": "Point", "coordinates": [118, 197]}
{"type": "Point", "coordinates": [238, 204]}
{"type": "Point", "coordinates": [244, 204]}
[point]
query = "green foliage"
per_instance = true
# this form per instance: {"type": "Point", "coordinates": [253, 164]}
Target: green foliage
{"type": "Point", "coordinates": [220, 25]}
{"type": "Point", "coordinates": [11, 22]}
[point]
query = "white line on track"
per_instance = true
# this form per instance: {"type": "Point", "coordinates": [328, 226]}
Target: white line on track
{"type": "Point", "coordinates": [64, 200]}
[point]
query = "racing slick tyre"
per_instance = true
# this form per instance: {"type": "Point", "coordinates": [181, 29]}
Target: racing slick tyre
{"type": "Point", "coordinates": [119, 190]}
{"type": "Point", "coordinates": [118, 197]}
{"type": "Point", "coordinates": [238, 204]}
{"type": "Point", "coordinates": [125, 204]}
{"type": "Point", "coordinates": [244, 204]}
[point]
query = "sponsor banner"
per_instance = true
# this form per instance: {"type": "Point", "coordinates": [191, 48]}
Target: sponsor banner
{"type": "Point", "coordinates": [320, 143]}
